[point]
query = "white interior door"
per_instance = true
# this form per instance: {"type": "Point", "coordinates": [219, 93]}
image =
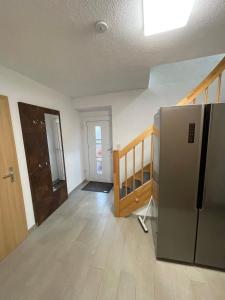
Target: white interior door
{"type": "Point", "coordinates": [99, 151]}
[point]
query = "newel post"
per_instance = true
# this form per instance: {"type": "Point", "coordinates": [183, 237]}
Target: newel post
{"type": "Point", "coordinates": [116, 181]}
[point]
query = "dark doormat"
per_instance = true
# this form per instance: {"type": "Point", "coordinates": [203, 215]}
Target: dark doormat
{"type": "Point", "coordinates": [100, 187]}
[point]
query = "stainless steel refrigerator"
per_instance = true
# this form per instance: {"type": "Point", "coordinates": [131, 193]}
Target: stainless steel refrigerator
{"type": "Point", "coordinates": [189, 184]}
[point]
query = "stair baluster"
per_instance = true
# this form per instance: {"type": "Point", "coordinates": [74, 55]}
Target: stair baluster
{"type": "Point", "coordinates": [142, 161]}
{"type": "Point", "coordinates": [219, 88]}
{"type": "Point", "coordinates": [134, 183]}
{"type": "Point", "coordinates": [206, 95]}
{"type": "Point", "coordinates": [126, 174]}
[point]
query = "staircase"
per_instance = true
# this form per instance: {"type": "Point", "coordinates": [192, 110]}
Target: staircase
{"type": "Point", "coordinates": [133, 165]}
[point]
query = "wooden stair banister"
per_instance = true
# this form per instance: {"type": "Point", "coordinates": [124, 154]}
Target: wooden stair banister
{"type": "Point", "coordinates": [138, 196]}
{"type": "Point", "coordinates": [146, 133]}
{"type": "Point", "coordinates": [213, 75]}
{"type": "Point", "coordinates": [130, 182]}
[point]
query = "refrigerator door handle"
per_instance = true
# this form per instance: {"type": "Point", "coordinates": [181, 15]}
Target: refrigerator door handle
{"type": "Point", "coordinates": [199, 203]}
{"type": "Point", "coordinates": [202, 169]}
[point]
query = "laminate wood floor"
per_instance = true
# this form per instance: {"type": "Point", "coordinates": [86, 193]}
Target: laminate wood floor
{"type": "Point", "coordinates": [83, 252]}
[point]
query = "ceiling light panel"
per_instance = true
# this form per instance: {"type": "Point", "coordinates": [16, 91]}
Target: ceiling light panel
{"type": "Point", "coordinates": [165, 15]}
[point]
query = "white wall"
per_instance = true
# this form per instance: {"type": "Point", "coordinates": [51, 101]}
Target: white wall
{"type": "Point", "coordinates": [19, 88]}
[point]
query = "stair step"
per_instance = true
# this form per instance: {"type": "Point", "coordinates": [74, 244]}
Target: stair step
{"type": "Point", "coordinates": [137, 183]}
{"type": "Point", "coordinates": [129, 189]}
{"type": "Point", "coordinates": [146, 176]}
{"type": "Point", "coordinates": [123, 192]}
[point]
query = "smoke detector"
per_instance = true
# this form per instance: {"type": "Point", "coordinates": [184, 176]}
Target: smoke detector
{"type": "Point", "coordinates": [101, 26]}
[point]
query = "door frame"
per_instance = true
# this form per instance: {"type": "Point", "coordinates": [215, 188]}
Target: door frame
{"type": "Point", "coordinates": [17, 230]}
{"type": "Point", "coordinates": [92, 116]}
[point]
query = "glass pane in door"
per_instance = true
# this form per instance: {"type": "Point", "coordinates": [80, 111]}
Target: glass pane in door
{"type": "Point", "coordinates": [98, 147]}
{"type": "Point", "coordinates": [99, 166]}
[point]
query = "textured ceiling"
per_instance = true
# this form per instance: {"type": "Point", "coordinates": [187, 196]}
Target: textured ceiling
{"type": "Point", "coordinates": [55, 43]}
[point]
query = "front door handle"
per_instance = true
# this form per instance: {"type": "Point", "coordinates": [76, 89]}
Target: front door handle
{"type": "Point", "coordinates": [10, 175]}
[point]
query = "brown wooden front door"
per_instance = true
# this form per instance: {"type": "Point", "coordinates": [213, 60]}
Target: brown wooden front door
{"type": "Point", "coordinates": [13, 226]}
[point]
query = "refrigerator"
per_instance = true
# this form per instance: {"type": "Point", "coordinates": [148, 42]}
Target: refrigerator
{"type": "Point", "coordinates": [188, 223]}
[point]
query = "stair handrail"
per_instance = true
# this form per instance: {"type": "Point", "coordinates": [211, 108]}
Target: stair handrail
{"type": "Point", "coordinates": [190, 98]}
{"type": "Point", "coordinates": [204, 85]}
{"type": "Point", "coordinates": [147, 132]}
